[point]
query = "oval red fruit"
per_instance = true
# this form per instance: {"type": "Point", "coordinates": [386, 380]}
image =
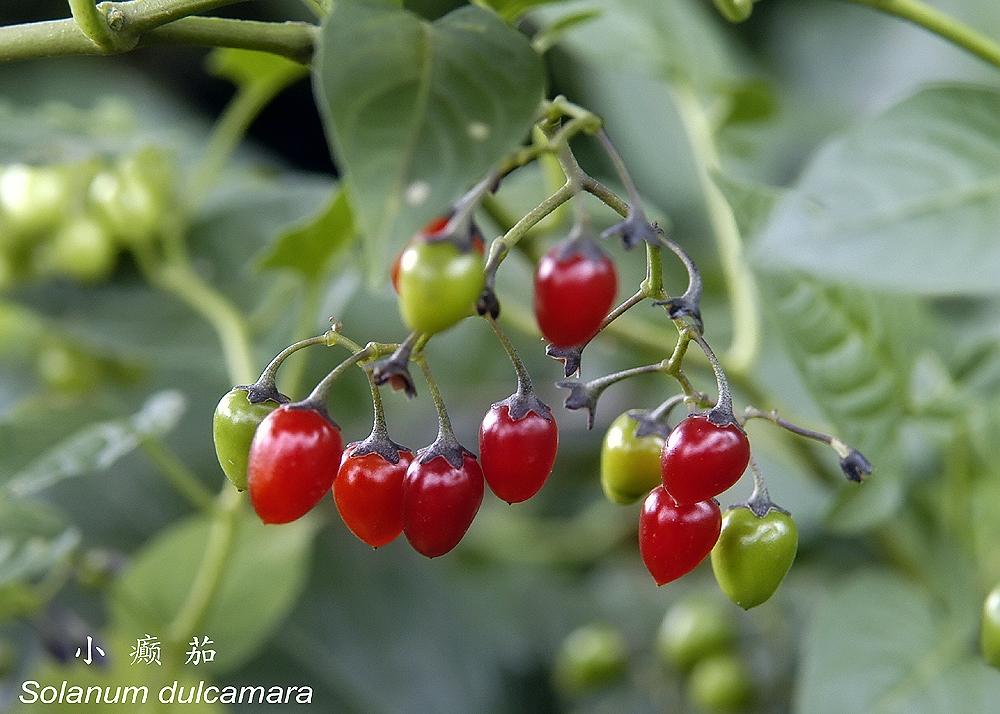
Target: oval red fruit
{"type": "Point", "coordinates": [674, 539]}
{"type": "Point", "coordinates": [517, 454]}
{"type": "Point", "coordinates": [574, 291]}
{"type": "Point", "coordinates": [702, 459]}
{"type": "Point", "coordinates": [368, 492]}
{"type": "Point", "coordinates": [440, 503]}
{"type": "Point", "coordinates": [293, 460]}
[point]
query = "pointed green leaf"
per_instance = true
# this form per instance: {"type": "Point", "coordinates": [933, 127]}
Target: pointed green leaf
{"type": "Point", "coordinates": [308, 247]}
{"type": "Point", "coordinates": [908, 201]}
{"type": "Point", "coordinates": [417, 112]}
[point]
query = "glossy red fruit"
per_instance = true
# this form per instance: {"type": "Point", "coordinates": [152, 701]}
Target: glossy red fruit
{"type": "Point", "coordinates": [702, 459]}
{"type": "Point", "coordinates": [368, 492]}
{"type": "Point", "coordinates": [440, 502]}
{"type": "Point", "coordinates": [673, 538]}
{"type": "Point", "coordinates": [431, 229]}
{"type": "Point", "coordinates": [517, 454]}
{"type": "Point", "coordinates": [293, 460]}
{"type": "Point", "coordinates": [575, 287]}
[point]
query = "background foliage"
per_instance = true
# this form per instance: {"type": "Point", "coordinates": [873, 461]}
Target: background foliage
{"type": "Point", "coordinates": [859, 157]}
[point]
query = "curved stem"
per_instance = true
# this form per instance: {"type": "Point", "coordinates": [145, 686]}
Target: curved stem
{"type": "Point", "coordinates": [444, 422]}
{"type": "Point", "coordinates": [92, 22]}
{"type": "Point", "coordinates": [271, 370]}
{"type": "Point", "coordinates": [317, 397]}
{"type": "Point", "coordinates": [524, 385]}
{"type": "Point", "coordinates": [942, 25]}
{"type": "Point", "coordinates": [230, 129]}
{"type": "Point", "coordinates": [739, 280]}
{"type": "Point", "coordinates": [54, 38]}
{"type": "Point", "coordinates": [724, 404]}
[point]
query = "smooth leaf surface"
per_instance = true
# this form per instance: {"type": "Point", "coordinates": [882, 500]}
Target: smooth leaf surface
{"type": "Point", "coordinates": [673, 40]}
{"type": "Point", "coordinates": [246, 68]}
{"type": "Point", "coordinates": [248, 606]}
{"type": "Point", "coordinates": [97, 447]}
{"type": "Point", "coordinates": [510, 10]}
{"type": "Point", "coordinates": [879, 645]}
{"type": "Point", "coordinates": [417, 112]}
{"type": "Point", "coordinates": [901, 202]}
{"type": "Point", "coordinates": [307, 248]}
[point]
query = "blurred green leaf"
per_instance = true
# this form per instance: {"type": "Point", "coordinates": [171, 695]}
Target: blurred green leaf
{"type": "Point", "coordinates": [35, 540]}
{"type": "Point", "coordinates": [510, 10]}
{"type": "Point", "coordinates": [879, 645]}
{"type": "Point", "coordinates": [672, 40]}
{"type": "Point", "coordinates": [98, 446]}
{"type": "Point", "coordinates": [908, 201]}
{"type": "Point", "coordinates": [417, 111]}
{"type": "Point", "coordinates": [307, 248]}
{"type": "Point", "coordinates": [852, 349]}
{"type": "Point", "coordinates": [261, 582]}
{"type": "Point", "coordinates": [550, 35]}
{"type": "Point", "coordinates": [247, 68]}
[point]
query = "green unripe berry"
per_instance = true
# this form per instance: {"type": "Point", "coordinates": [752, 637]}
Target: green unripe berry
{"type": "Point", "coordinates": [734, 10]}
{"type": "Point", "coordinates": [233, 426]}
{"type": "Point", "coordinates": [630, 464]}
{"type": "Point", "coordinates": [82, 250]}
{"type": "Point", "coordinates": [590, 657]}
{"type": "Point", "coordinates": [64, 369]}
{"type": "Point", "coordinates": [33, 199]}
{"type": "Point", "coordinates": [989, 634]}
{"type": "Point", "coordinates": [693, 629]}
{"type": "Point", "coordinates": [720, 684]}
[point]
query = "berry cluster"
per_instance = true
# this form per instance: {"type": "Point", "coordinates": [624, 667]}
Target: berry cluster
{"type": "Point", "coordinates": [72, 220]}
{"type": "Point", "coordinates": [288, 455]}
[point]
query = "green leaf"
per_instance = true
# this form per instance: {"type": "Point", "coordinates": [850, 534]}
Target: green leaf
{"type": "Point", "coordinates": [246, 68]}
{"type": "Point", "coordinates": [550, 35]}
{"type": "Point", "coordinates": [416, 112]}
{"type": "Point", "coordinates": [262, 579]}
{"type": "Point", "coordinates": [98, 446]}
{"type": "Point", "coordinates": [510, 10]}
{"type": "Point", "coordinates": [852, 349]}
{"type": "Point", "coordinates": [879, 645]}
{"type": "Point", "coordinates": [908, 201]}
{"type": "Point", "coordinates": [308, 247]}
{"type": "Point", "coordinates": [672, 40]}
{"type": "Point", "coordinates": [35, 541]}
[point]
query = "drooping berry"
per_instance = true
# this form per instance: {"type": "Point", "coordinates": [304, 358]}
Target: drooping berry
{"type": "Point", "coordinates": [293, 460]}
{"type": "Point", "coordinates": [575, 287]}
{"type": "Point", "coordinates": [440, 501]}
{"type": "Point", "coordinates": [673, 538]}
{"type": "Point", "coordinates": [701, 459]}
{"type": "Point", "coordinates": [517, 448]}
{"type": "Point", "coordinates": [368, 492]}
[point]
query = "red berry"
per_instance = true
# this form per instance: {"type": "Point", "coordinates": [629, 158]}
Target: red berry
{"type": "Point", "coordinates": [293, 460]}
{"type": "Point", "coordinates": [440, 502]}
{"type": "Point", "coordinates": [517, 454]}
{"type": "Point", "coordinates": [368, 492]}
{"type": "Point", "coordinates": [673, 539]}
{"type": "Point", "coordinates": [702, 459]}
{"type": "Point", "coordinates": [575, 287]}
{"type": "Point", "coordinates": [434, 227]}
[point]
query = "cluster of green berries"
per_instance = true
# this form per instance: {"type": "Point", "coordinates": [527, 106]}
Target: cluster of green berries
{"type": "Point", "coordinates": [72, 220]}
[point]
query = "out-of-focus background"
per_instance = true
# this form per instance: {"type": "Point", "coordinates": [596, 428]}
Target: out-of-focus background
{"type": "Point", "coordinates": [106, 381]}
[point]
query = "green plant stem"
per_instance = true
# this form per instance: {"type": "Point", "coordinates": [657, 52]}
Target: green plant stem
{"type": "Point", "coordinates": [55, 38]}
{"type": "Point", "coordinates": [444, 421]}
{"type": "Point", "coordinates": [942, 25]}
{"type": "Point", "coordinates": [182, 281]}
{"type": "Point", "coordinates": [229, 130]}
{"type": "Point", "coordinates": [92, 23]}
{"type": "Point", "coordinates": [739, 279]}
{"type": "Point", "coordinates": [208, 577]}
{"type": "Point", "coordinates": [177, 474]}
